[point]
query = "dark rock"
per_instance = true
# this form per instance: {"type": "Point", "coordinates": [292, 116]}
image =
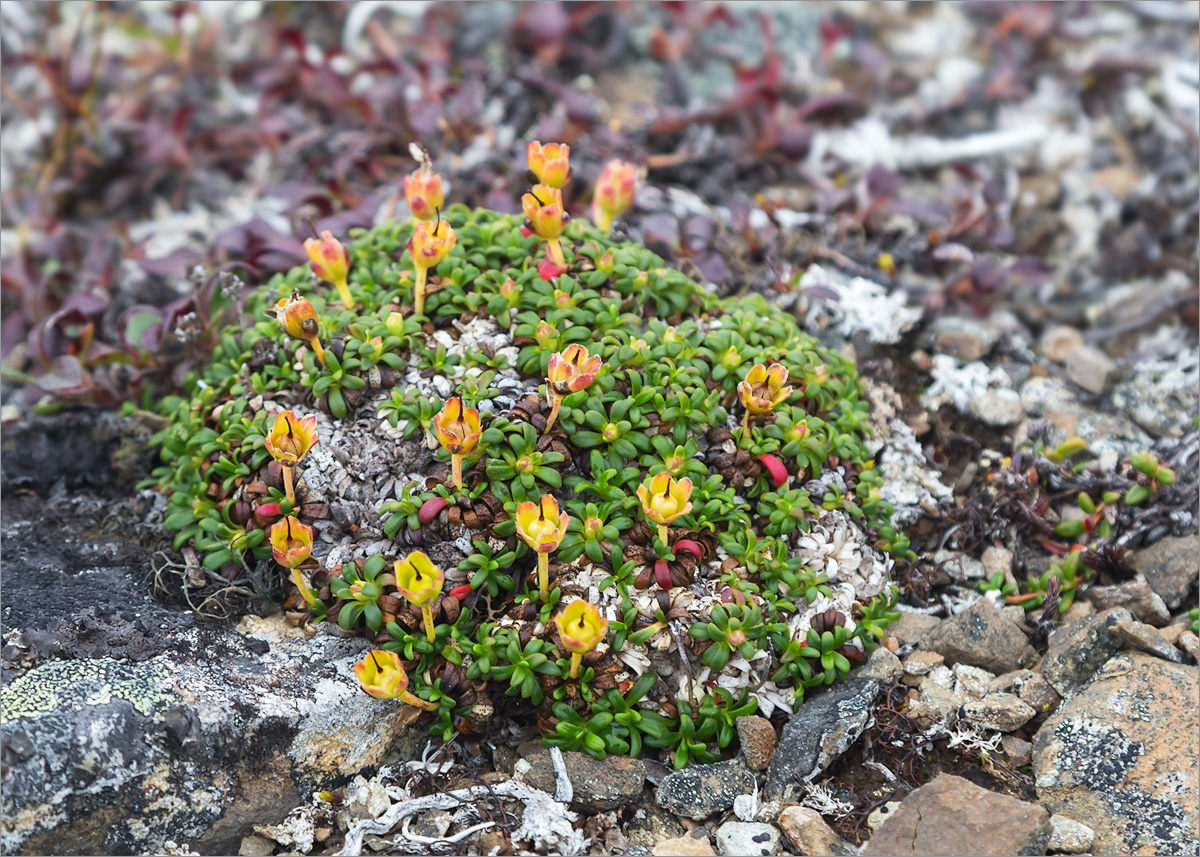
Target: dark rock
{"type": "Point", "coordinates": [953, 816]}
{"type": "Point", "coordinates": [981, 637]}
{"type": "Point", "coordinates": [757, 737]}
{"type": "Point", "coordinates": [1122, 756]}
{"type": "Point", "coordinates": [597, 786]}
{"type": "Point", "coordinates": [1170, 566]}
{"type": "Point", "coordinates": [1076, 651]}
{"type": "Point", "coordinates": [701, 790]}
{"type": "Point", "coordinates": [820, 731]}
{"type": "Point", "coordinates": [1142, 601]}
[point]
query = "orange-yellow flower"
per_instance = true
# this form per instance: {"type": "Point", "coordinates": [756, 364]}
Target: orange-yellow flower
{"type": "Point", "coordinates": [542, 528]}
{"type": "Point", "coordinates": [665, 500]}
{"type": "Point", "coordinates": [545, 216]}
{"type": "Point", "coordinates": [298, 318]}
{"type": "Point", "coordinates": [423, 192]}
{"type": "Point", "coordinates": [431, 242]}
{"type": "Point", "coordinates": [457, 430]}
{"type": "Point", "coordinates": [764, 388]}
{"type": "Point", "coordinates": [550, 163]}
{"type": "Point", "coordinates": [614, 193]}
{"type": "Point", "coordinates": [330, 262]}
{"type": "Point", "coordinates": [381, 675]}
{"type": "Point", "coordinates": [569, 371]}
{"type": "Point", "coordinates": [291, 438]}
{"type": "Point", "coordinates": [291, 542]}
{"type": "Point", "coordinates": [580, 629]}
{"type": "Point", "coordinates": [419, 581]}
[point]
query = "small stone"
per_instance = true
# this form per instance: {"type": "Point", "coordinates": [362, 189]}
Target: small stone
{"type": "Point", "coordinates": [1014, 613]}
{"type": "Point", "coordinates": [1142, 601]}
{"type": "Point", "coordinates": [1075, 652]}
{"type": "Point", "coordinates": [1190, 643]}
{"type": "Point", "coordinates": [256, 846]}
{"type": "Point", "coordinates": [1018, 751]}
{"type": "Point", "coordinates": [1002, 712]}
{"type": "Point", "coordinates": [880, 814]}
{"type": "Point", "coordinates": [934, 705]}
{"type": "Point", "coordinates": [1058, 341]}
{"type": "Point", "coordinates": [821, 730]}
{"type": "Point", "coordinates": [914, 628]}
{"type": "Point", "coordinates": [1139, 635]}
{"type": "Point", "coordinates": [1069, 836]}
{"type": "Point", "coordinates": [999, 407]}
{"type": "Point", "coordinates": [1031, 688]}
{"type": "Point", "coordinates": [952, 816]}
{"type": "Point", "coordinates": [996, 560]}
{"type": "Point", "coordinates": [597, 786]}
{"type": "Point", "coordinates": [685, 846]}
{"type": "Point", "coordinates": [432, 824]}
{"type": "Point", "coordinates": [966, 338]}
{"type": "Point", "coordinates": [921, 662]}
{"type": "Point", "coordinates": [757, 737]}
{"type": "Point", "coordinates": [883, 666]}
{"type": "Point", "coordinates": [747, 839]}
{"type": "Point", "coordinates": [980, 636]}
{"type": "Point", "coordinates": [1078, 611]}
{"type": "Point", "coordinates": [972, 681]}
{"type": "Point", "coordinates": [699, 791]}
{"type": "Point", "coordinates": [810, 835]}
{"type": "Point", "coordinates": [1173, 632]}
{"type": "Point", "coordinates": [492, 840]}
{"type": "Point", "coordinates": [1091, 369]}
{"type": "Point", "coordinates": [1169, 566]}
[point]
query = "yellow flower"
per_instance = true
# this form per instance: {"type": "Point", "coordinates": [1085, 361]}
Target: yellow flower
{"type": "Point", "coordinates": [571, 370]}
{"type": "Point", "coordinates": [328, 258]}
{"type": "Point", "coordinates": [666, 498]}
{"type": "Point", "coordinates": [550, 163]}
{"type": "Point", "coordinates": [423, 192]}
{"type": "Point", "coordinates": [430, 243]}
{"type": "Point", "coordinates": [381, 674]}
{"type": "Point", "coordinates": [290, 438]}
{"type": "Point", "coordinates": [418, 579]}
{"type": "Point", "coordinates": [541, 528]}
{"type": "Point", "coordinates": [457, 428]}
{"type": "Point", "coordinates": [544, 213]}
{"type": "Point", "coordinates": [614, 193]}
{"type": "Point", "coordinates": [297, 317]}
{"type": "Point", "coordinates": [291, 542]}
{"type": "Point", "coordinates": [580, 627]}
{"type": "Point", "coordinates": [764, 388]}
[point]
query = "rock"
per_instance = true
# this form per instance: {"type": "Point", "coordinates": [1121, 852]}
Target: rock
{"type": "Point", "coordinates": [934, 704]}
{"type": "Point", "coordinates": [1075, 652]}
{"type": "Point", "coordinates": [980, 636]}
{"type": "Point", "coordinates": [966, 338]}
{"type": "Point", "coordinates": [1162, 395]}
{"type": "Point", "coordinates": [914, 628]}
{"type": "Point", "coordinates": [972, 681]}
{"type": "Point", "coordinates": [880, 814]}
{"type": "Point", "coordinates": [820, 731]}
{"type": "Point", "coordinates": [652, 824]}
{"type": "Point", "coordinates": [1069, 836]}
{"type": "Point", "coordinates": [1169, 566]}
{"type": "Point", "coordinates": [757, 737]}
{"type": "Point", "coordinates": [810, 835]}
{"type": "Point", "coordinates": [998, 407]}
{"type": "Point", "coordinates": [1171, 633]}
{"type": "Point", "coordinates": [699, 791]}
{"type": "Point", "coordinates": [1142, 601]}
{"type": "Point", "coordinates": [952, 816]}
{"type": "Point", "coordinates": [1106, 433]}
{"type": "Point", "coordinates": [747, 839]}
{"type": "Point", "coordinates": [1139, 635]}
{"type": "Point", "coordinates": [1091, 369]}
{"type": "Point", "coordinates": [256, 846]}
{"type": "Point", "coordinates": [695, 844]}
{"type": "Point", "coordinates": [1003, 712]}
{"type": "Point", "coordinates": [1018, 751]}
{"type": "Point", "coordinates": [883, 666]}
{"type": "Point", "coordinates": [1058, 341]}
{"type": "Point", "coordinates": [1123, 757]}
{"type": "Point", "coordinates": [996, 559]}
{"type": "Point", "coordinates": [597, 786]}
{"type": "Point", "coordinates": [1031, 688]}
{"type": "Point", "coordinates": [1190, 643]}
{"type": "Point", "coordinates": [959, 565]}
{"type": "Point", "coordinates": [921, 662]}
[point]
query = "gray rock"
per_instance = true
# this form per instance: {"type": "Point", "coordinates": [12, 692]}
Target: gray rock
{"type": "Point", "coordinates": [1017, 751]}
{"type": "Point", "coordinates": [921, 662]}
{"type": "Point", "coordinates": [1170, 567]}
{"type": "Point", "coordinates": [699, 791]}
{"type": "Point", "coordinates": [1136, 595]}
{"type": "Point", "coordinates": [757, 737]}
{"type": "Point", "coordinates": [883, 666]}
{"type": "Point", "coordinates": [1190, 644]}
{"type": "Point", "coordinates": [1075, 652]}
{"type": "Point", "coordinates": [1139, 635]}
{"type": "Point", "coordinates": [747, 839]}
{"type": "Point", "coordinates": [256, 846]}
{"type": "Point", "coordinates": [915, 629]}
{"type": "Point", "coordinates": [1003, 712]}
{"type": "Point", "coordinates": [998, 407]}
{"type": "Point", "coordinates": [1057, 342]}
{"type": "Point", "coordinates": [980, 636]}
{"type": "Point", "coordinates": [596, 786]}
{"type": "Point", "coordinates": [1031, 688]}
{"type": "Point", "coordinates": [1162, 395]}
{"type": "Point", "coordinates": [1065, 416]}
{"type": "Point", "coordinates": [966, 338]}
{"type": "Point", "coordinates": [820, 731]}
{"type": "Point", "coordinates": [1069, 836]}
{"type": "Point", "coordinates": [1091, 369]}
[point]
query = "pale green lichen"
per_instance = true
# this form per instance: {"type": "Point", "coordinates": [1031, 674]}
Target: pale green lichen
{"type": "Point", "coordinates": [87, 682]}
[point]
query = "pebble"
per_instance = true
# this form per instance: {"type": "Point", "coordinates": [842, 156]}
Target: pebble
{"type": "Point", "coordinates": [980, 636]}
{"type": "Point", "coordinates": [699, 791]}
{"type": "Point", "coordinates": [921, 662]}
{"type": "Point", "coordinates": [1058, 341]}
{"type": "Point", "coordinates": [1017, 751]}
{"type": "Point", "coordinates": [1139, 635]}
{"type": "Point", "coordinates": [1031, 688]}
{"type": "Point", "coordinates": [966, 338]}
{"type": "Point", "coordinates": [883, 666]}
{"type": "Point", "coordinates": [747, 839]}
{"type": "Point", "coordinates": [914, 628]}
{"type": "Point", "coordinates": [256, 846]}
{"type": "Point", "coordinates": [998, 407]}
{"type": "Point", "coordinates": [880, 814]}
{"type": "Point", "coordinates": [1002, 712]}
{"type": "Point", "coordinates": [1091, 369]}
{"type": "Point", "coordinates": [685, 846]}
{"type": "Point", "coordinates": [972, 681]}
{"type": "Point", "coordinates": [1190, 643]}
{"type": "Point", "coordinates": [1069, 836]}
{"type": "Point", "coordinates": [597, 786]}
{"type": "Point", "coordinates": [996, 559]}
{"type": "Point", "coordinates": [757, 737]}
{"type": "Point", "coordinates": [1169, 566]}
{"type": "Point", "coordinates": [809, 834]}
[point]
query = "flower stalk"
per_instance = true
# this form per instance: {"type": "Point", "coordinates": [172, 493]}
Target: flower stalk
{"type": "Point", "coordinates": [542, 527]}
{"type": "Point", "coordinates": [431, 242]}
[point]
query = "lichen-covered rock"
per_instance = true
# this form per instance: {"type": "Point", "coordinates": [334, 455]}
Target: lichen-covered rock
{"type": "Point", "coordinates": [743, 839]}
{"type": "Point", "coordinates": [981, 637]}
{"type": "Point", "coordinates": [1077, 651]}
{"type": "Point", "coordinates": [701, 790]}
{"type": "Point", "coordinates": [1123, 757]}
{"type": "Point", "coordinates": [597, 786]}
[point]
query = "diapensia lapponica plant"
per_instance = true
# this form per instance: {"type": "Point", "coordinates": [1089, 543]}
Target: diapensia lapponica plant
{"type": "Point", "coordinates": [665, 536]}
